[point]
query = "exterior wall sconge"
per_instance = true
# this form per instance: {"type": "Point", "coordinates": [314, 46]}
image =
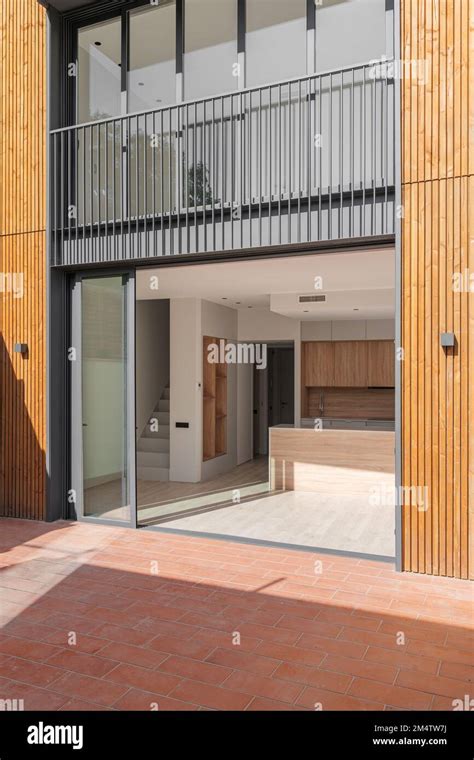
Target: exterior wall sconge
{"type": "Point", "coordinates": [448, 340]}
{"type": "Point", "coordinates": [21, 348]}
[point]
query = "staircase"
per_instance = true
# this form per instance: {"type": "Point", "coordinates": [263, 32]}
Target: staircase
{"type": "Point", "coordinates": [153, 448]}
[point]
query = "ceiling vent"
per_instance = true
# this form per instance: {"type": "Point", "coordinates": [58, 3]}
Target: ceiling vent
{"type": "Point", "coordinates": [311, 299]}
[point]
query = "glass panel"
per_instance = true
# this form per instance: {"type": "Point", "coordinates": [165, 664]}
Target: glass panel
{"type": "Point", "coordinates": [98, 82]}
{"type": "Point", "coordinates": [276, 40]}
{"type": "Point", "coordinates": [152, 75]}
{"type": "Point", "coordinates": [211, 47]}
{"type": "Point", "coordinates": [349, 32]}
{"type": "Point", "coordinates": [104, 398]}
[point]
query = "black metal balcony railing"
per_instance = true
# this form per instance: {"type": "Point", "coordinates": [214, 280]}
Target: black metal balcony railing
{"type": "Point", "coordinates": [303, 160]}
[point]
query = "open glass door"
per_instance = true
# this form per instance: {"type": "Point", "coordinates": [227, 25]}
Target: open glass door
{"type": "Point", "coordinates": [103, 393]}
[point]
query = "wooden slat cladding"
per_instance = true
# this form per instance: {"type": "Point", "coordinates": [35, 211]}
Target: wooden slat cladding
{"type": "Point", "coordinates": [437, 243]}
{"type": "Point", "coordinates": [22, 258]}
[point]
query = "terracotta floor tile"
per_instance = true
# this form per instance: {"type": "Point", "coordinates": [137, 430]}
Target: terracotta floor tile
{"type": "Point", "coordinates": [147, 658]}
{"type": "Point", "coordinates": [332, 646]}
{"type": "Point", "coordinates": [238, 660]}
{"type": "Point", "coordinates": [195, 670]}
{"type": "Point", "coordinates": [143, 678]}
{"type": "Point", "coordinates": [268, 633]}
{"type": "Point", "coordinates": [194, 648]}
{"type": "Point", "coordinates": [225, 640]}
{"type": "Point", "coordinates": [78, 662]}
{"type": "Point", "coordinates": [396, 696]}
{"type": "Point", "coordinates": [402, 660]}
{"type": "Point", "coordinates": [291, 654]}
{"type": "Point", "coordinates": [261, 704]}
{"type": "Point", "coordinates": [323, 679]}
{"type": "Point", "coordinates": [317, 627]}
{"type": "Point", "coordinates": [26, 671]}
{"type": "Point", "coordinates": [170, 639]}
{"type": "Point", "coordinates": [27, 649]}
{"type": "Point", "coordinates": [78, 686]}
{"type": "Point", "coordinates": [77, 705]}
{"type": "Point", "coordinates": [362, 668]}
{"type": "Point", "coordinates": [216, 697]}
{"type": "Point", "coordinates": [121, 634]}
{"type": "Point", "coordinates": [319, 699]}
{"type": "Point", "coordinates": [439, 685]}
{"type": "Point", "coordinates": [136, 699]}
{"type": "Point", "coordinates": [457, 670]}
{"type": "Point", "coordinates": [84, 643]}
{"type": "Point", "coordinates": [262, 686]}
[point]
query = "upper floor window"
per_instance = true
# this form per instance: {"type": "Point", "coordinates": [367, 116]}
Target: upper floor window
{"type": "Point", "coordinates": [158, 54]}
{"type": "Point", "coordinates": [98, 76]}
{"type": "Point", "coordinates": [210, 44]}
{"type": "Point", "coordinates": [152, 57]}
{"type": "Point", "coordinates": [275, 40]}
{"type": "Point", "coordinates": [349, 32]}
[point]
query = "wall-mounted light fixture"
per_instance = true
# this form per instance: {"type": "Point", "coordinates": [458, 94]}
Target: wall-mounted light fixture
{"type": "Point", "coordinates": [21, 348]}
{"type": "Point", "coordinates": [448, 340]}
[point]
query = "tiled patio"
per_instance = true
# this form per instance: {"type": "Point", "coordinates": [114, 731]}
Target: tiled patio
{"type": "Point", "coordinates": [182, 623]}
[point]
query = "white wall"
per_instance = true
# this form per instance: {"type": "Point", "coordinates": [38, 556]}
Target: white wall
{"type": "Point", "coordinates": [262, 325]}
{"type": "Point", "coordinates": [370, 329]}
{"type": "Point", "coordinates": [244, 413]}
{"type": "Point", "coordinates": [152, 356]}
{"type": "Point", "coordinates": [185, 390]}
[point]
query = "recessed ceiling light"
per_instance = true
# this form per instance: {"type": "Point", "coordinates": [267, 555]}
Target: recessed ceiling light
{"type": "Point", "coordinates": [249, 307]}
{"type": "Point", "coordinates": [224, 298]}
{"type": "Point", "coordinates": [305, 311]}
{"type": "Point", "coordinates": [355, 309]}
{"type": "Point", "coordinates": [141, 84]}
{"type": "Point", "coordinates": [98, 43]}
{"type": "Point", "coordinates": [237, 303]}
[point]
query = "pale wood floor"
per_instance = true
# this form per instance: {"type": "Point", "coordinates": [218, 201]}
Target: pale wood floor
{"type": "Point", "coordinates": [105, 500]}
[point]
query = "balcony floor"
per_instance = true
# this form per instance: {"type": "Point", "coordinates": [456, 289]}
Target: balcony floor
{"type": "Point", "coordinates": [307, 637]}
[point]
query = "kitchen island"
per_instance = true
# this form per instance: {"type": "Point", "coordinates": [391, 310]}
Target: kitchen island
{"type": "Point", "coordinates": [331, 460]}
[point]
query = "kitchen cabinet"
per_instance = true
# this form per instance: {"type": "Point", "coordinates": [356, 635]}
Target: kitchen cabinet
{"type": "Point", "coordinates": [381, 364]}
{"type": "Point", "coordinates": [318, 363]}
{"type": "Point", "coordinates": [350, 364]}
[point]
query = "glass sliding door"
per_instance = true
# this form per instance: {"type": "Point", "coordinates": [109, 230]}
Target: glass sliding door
{"type": "Point", "coordinates": [102, 395]}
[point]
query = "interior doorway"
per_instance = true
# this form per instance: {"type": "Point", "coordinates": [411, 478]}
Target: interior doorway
{"type": "Point", "coordinates": [273, 393]}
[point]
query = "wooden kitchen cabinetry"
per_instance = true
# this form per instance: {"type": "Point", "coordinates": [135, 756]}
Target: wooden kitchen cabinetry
{"type": "Point", "coordinates": [381, 364]}
{"type": "Point", "coordinates": [350, 364]}
{"type": "Point", "coordinates": [318, 363]}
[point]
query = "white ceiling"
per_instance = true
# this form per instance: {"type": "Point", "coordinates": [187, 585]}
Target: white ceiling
{"type": "Point", "coordinates": [357, 285]}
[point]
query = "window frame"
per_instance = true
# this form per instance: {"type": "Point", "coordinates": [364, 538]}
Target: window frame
{"type": "Point", "coordinates": [75, 20]}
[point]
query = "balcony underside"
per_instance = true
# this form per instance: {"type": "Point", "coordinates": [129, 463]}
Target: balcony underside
{"type": "Point", "coordinates": [352, 214]}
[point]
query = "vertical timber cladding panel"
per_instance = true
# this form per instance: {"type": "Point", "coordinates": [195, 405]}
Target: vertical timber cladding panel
{"type": "Point", "coordinates": [437, 242]}
{"type": "Point", "coordinates": [23, 253]}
